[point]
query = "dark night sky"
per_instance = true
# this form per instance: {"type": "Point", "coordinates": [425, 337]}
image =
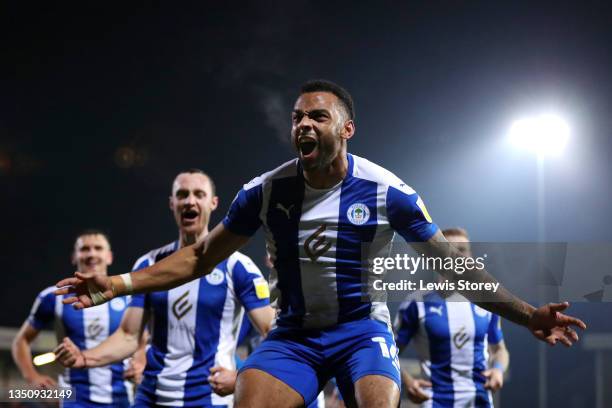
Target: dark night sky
{"type": "Point", "coordinates": [100, 107]}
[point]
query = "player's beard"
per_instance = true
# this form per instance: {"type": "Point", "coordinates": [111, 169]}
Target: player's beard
{"type": "Point", "coordinates": [325, 153]}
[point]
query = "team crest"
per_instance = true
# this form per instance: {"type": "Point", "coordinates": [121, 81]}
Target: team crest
{"type": "Point", "coordinates": [117, 304]}
{"type": "Point", "coordinates": [215, 277]}
{"type": "Point", "coordinates": [358, 214]}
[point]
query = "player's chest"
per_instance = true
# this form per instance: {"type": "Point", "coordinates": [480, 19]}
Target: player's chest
{"type": "Point", "coordinates": [325, 217]}
{"type": "Point", "coordinates": [458, 324]}
{"type": "Point", "coordinates": [204, 296]}
{"type": "Point", "coordinates": [93, 324]}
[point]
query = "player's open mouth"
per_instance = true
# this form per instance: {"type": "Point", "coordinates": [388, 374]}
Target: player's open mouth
{"type": "Point", "coordinates": [307, 146]}
{"type": "Point", "coordinates": [190, 215]}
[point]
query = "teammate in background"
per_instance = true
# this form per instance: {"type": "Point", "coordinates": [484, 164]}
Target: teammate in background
{"type": "Point", "coordinates": [100, 387]}
{"type": "Point", "coordinates": [460, 346]}
{"type": "Point", "coordinates": [316, 212]}
{"type": "Point", "coordinates": [194, 327]}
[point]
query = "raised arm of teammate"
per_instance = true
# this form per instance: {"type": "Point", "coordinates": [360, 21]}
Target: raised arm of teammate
{"type": "Point", "coordinates": [546, 323]}
{"type": "Point", "coordinates": [124, 342]}
{"type": "Point", "coordinates": [184, 265]}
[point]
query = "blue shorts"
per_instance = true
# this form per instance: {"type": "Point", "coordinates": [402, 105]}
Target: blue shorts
{"type": "Point", "coordinates": [306, 359]}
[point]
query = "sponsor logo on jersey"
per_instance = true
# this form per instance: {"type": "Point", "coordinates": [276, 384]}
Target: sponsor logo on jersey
{"type": "Point", "coordinates": [181, 306]}
{"type": "Point", "coordinates": [437, 310]}
{"type": "Point", "coordinates": [286, 210]}
{"type": "Point", "coordinates": [316, 245]}
{"type": "Point", "coordinates": [94, 329]}
{"type": "Point", "coordinates": [358, 214]}
{"type": "Point", "coordinates": [460, 338]}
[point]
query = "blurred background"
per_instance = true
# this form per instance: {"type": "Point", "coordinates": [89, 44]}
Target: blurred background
{"type": "Point", "coordinates": [100, 107]}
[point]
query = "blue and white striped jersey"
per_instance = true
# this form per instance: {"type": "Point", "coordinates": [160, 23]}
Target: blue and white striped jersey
{"type": "Point", "coordinates": [451, 340]}
{"type": "Point", "coordinates": [315, 237]}
{"type": "Point", "coordinates": [194, 327]}
{"type": "Point", "coordinates": [86, 328]}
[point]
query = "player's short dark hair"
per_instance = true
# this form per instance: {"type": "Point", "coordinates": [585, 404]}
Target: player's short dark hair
{"type": "Point", "coordinates": [455, 231]}
{"type": "Point", "coordinates": [194, 170]}
{"type": "Point", "coordinates": [323, 85]}
{"type": "Point", "coordinates": [92, 231]}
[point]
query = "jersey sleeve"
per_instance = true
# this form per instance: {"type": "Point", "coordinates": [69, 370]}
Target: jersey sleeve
{"type": "Point", "coordinates": [495, 334]}
{"type": "Point", "coordinates": [139, 299]}
{"type": "Point", "coordinates": [250, 287]}
{"type": "Point", "coordinates": [406, 323]}
{"type": "Point", "coordinates": [243, 215]}
{"type": "Point", "coordinates": [408, 215]}
{"type": "Point", "coordinates": [43, 310]}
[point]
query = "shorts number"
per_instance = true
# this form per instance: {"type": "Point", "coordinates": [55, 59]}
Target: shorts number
{"type": "Point", "coordinates": [388, 351]}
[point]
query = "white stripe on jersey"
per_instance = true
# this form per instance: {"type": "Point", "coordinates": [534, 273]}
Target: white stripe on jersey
{"type": "Point", "coordinates": [461, 323]}
{"type": "Point", "coordinates": [180, 343]}
{"type": "Point", "coordinates": [229, 328]}
{"type": "Point", "coordinates": [96, 321]}
{"type": "Point", "coordinates": [319, 278]}
{"type": "Point", "coordinates": [60, 332]}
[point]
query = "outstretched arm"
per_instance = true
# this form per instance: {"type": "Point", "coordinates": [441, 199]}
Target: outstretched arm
{"type": "Point", "coordinates": [182, 266]}
{"type": "Point", "coordinates": [547, 323]}
{"type": "Point", "coordinates": [118, 346]}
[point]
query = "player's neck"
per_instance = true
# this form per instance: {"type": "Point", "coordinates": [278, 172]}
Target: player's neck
{"type": "Point", "coordinates": [329, 176]}
{"type": "Point", "coordinates": [186, 239]}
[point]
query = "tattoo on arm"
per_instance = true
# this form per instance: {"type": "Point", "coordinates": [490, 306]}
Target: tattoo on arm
{"type": "Point", "coordinates": [503, 302]}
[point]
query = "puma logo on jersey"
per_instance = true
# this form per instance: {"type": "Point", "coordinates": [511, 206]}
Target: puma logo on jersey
{"type": "Point", "coordinates": [287, 210]}
{"type": "Point", "coordinates": [437, 310]}
{"type": "Point", "coordinates": [316, 245]}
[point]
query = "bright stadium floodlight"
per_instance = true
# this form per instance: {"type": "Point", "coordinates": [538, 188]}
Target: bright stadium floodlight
{"type": "Point", "coordinates": [545, 135]}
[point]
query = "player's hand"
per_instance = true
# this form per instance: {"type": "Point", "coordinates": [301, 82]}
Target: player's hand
{"type": "Point", "coordinates": [415, 391]}
{"type": "Point", "coordinates": [69, 355]}
{"type": "Point", "coordinates": [495, 379]}
{"type": "Point", "coordinates": [548, 324]}
{"type": "Point", "coordinates": [134, 371]}
{"type": "Point", "coordinates": [42, 381]}
{"type": "Point", "coordinates": [222, 380]}
{"type": "Point", "coordinates": [83, 286]}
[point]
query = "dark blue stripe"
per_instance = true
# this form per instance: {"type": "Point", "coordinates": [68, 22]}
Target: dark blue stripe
{"type": "Point", "coordinates": [287, 192]}
{"type": "Point", "coordinates": [349, 283]}
{"type": "Point", "coordinates": [481, 325]}
{"type": "Point", "coordinates": [439, 336]}
{"type": "Point", "coordinates": [75, 329]}
{"type": "Point", "coordinates": [157, 302]}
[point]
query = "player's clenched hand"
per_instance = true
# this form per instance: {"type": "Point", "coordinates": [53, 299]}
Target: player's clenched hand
{"type": "Point", "coordinates": [548, 324]}
{"type": "Point", "coordinates": [495, 379]}
{"type": "Point", "coordinates": [415, 392]}
{"type": "Point", "coordinates": [222, 380]}
{"type": "Point", "coordinates": [69, 355]}
{"type": "Point", "coordinates": [88, 290]}
{"type": "Point", "coordinates": [134, 371]}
